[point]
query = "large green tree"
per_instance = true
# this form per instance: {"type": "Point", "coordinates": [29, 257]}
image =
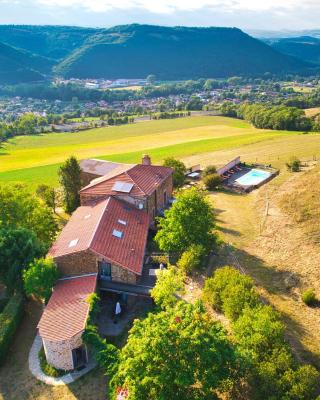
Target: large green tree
{"type": "Point", "coordinates": [39, 278]}
{"type": "Point", "coordinates": [179, 171]}
{"type": "Point", "coordinates": [70, 180]}
{"type": "Point", "coordinates": [18, 247]}
{"type": "Point", "coordinates": [21, 209]}
{"type": "Point", "coordinates": [178, 353]}
{"type": "Point", "coordinates": [188, 222]}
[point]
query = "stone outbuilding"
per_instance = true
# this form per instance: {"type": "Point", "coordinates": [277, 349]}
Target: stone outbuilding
{"type": "Point", "coordinates": [63, 322]}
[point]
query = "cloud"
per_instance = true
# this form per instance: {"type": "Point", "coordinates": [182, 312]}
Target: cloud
{"type": "Point", "coordinates": [172, 6]}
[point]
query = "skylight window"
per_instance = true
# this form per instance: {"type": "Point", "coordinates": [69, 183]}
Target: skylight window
{"type": "Point", "coordinates": [122, 222]}
{"type": "Point", "coordinates": [124, 187]}
{"type": "Point", "coordinates": [87, 216]}
{"type": "Point", "coordinates": [73, 242]}
{"type": "Point", "coordinates": [117, 233]}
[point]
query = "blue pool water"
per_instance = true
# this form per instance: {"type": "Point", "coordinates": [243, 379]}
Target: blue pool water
{"type": "Point", "coordinates": [253, 177]}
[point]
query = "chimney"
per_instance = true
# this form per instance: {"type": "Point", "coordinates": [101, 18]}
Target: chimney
{"type": "Point", "coordinates": [146, 160]}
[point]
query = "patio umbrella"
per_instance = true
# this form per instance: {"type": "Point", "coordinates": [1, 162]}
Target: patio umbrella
{"type": "Point", "coordinates": [118, 308]}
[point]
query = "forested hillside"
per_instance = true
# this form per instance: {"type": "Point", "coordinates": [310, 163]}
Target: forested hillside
{"type": "Point", "coordinates": [134, 51]}
{"type": "Point", "coordinates": [306, 48]}
{"type": "Point", "coordinates": [21, 66]}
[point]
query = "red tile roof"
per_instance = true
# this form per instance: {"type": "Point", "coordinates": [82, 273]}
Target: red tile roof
{"type": "Point", "coordinates": [91, 228]}
{"type": "Point", "coordinates": [67, 311]}
{"type": "Point", "coordinates": [145, 180]}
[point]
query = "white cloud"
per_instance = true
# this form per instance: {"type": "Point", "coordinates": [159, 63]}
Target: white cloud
{"type": "Point", "coordinates": [171, 6]}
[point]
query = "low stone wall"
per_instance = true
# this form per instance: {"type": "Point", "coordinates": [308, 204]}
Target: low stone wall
{"type": "Point", "coordinates": [59, 354]}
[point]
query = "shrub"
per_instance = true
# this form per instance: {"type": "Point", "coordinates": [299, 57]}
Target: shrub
{"type": "Point", "coordinates": [230, 291]}
{"type": "Point", "coordinates": [212, 181]}
{"type": "Point", "coordinates": [192, 258]}
{"type": "Point", "coordinates": [9, 321]}
{"type": "Point", "coordinates": [47, 368]}
{"type": "Point", "coordinates": [309, 297]}
{"type": "Point", "coordinates": [258, 331]}
{"type": "Point", "coordinates": [294, 164]}
{"type": "Point", "coordinates": [209, 170]}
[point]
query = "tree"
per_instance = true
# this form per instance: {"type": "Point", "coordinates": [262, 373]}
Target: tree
{"type": "Point", "coordinates": [179, 171]}
{"type": "Point", "coordinates": [189, 221]}
{"type": "Point", "coordinates": [18, 248]}
{"type": "Point", "coordinates": [20, 209]}
{"type": "Point", "coordinates": [177, 353]}
{"type": "Point", "coordinates": [170, 284]}
{"type": "Point", "coordinates": [212, 181]}
{"type": "Point", "coordinates": [39, 278]}
{"type": "Point", "coordinates": [192, 258]}
{"type": "Point", "coordinates": [48, 195]}
{"type": "Point", "coordinates": [70, 179]}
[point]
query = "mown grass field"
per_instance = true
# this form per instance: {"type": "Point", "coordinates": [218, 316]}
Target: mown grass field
{"type": "Point", "coordinates": [35, 159]}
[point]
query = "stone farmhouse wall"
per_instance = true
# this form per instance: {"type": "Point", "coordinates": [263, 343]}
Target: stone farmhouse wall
{"type": "Point", "coordinates": [85, 262]}
{"type": "Point", "coordinates": [87, 177]}
{"type": "Point", "coordinates": [156, 201]}
{"type": "Point", "coordinates": [59, 354]}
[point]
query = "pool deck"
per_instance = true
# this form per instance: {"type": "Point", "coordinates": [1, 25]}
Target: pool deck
{"type": "Point", "coordinates": [232, 183]}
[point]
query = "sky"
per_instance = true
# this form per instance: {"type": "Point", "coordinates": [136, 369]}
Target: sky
{"type": "Point", "coordinates": [246, 14]}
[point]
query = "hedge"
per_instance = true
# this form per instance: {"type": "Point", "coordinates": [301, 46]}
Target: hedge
{"type": "Point", "coordinates": [9, 321]}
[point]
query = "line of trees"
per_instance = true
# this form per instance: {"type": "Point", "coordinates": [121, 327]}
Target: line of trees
{"type": "Point", "coordinates": [269, 117]}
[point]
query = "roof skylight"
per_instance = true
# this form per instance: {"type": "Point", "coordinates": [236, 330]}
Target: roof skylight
{"type": "Point", "coordinates": [124, 187]}
{"type": "Point", "coordinates": [73, 242]}
{"type": "Point", "coordinates": [122, 222]}
{"type": "Point", "coordinates": [117, 233]}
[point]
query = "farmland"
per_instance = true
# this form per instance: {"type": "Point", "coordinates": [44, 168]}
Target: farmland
{"type": "Point", "coordinates": [35, 159]}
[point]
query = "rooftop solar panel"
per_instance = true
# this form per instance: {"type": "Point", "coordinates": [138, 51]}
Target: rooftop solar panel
{"type": "Point", "coordinates": [122, 187]}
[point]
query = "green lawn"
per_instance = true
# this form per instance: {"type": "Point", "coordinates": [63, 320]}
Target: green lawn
{"type": "Point", "coordinates": [35, 159]}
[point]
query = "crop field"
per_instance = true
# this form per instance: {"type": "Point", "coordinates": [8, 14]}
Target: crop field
{"type": "Point", "coordinates": [35, 159]}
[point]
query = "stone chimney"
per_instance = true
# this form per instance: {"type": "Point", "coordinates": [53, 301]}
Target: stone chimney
{"type": "Point", "coordinates": [146, 160]}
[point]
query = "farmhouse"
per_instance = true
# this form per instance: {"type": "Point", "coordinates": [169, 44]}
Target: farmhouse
{"type": "Point", "coordinates": [103, 243]}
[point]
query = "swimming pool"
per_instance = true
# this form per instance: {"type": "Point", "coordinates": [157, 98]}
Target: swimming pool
{"type": "Point", "coordinates": [253, 177]}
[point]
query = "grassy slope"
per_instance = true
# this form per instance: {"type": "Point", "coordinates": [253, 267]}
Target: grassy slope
{"type": "Point", "coordinates": [35, 159]}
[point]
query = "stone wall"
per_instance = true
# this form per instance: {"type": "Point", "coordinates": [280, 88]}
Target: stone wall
{"type": "Point", "coordinates": [59, 354]}
{"type": "Point", "coordinates": [122, 275]}
{"type": "Point", "coordinates": [86, 178]}
{"type": "Point", "coordinates": [86, 262]}
{"type": "Point", "coordinates": [83, 262]}
{"type": "Point", "coordinates": [156, 200]}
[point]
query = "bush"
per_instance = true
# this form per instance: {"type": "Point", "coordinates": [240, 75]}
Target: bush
{"type": "Point", "coordinates": [212, 181]}
{"type": "Point", "coordinates": [209, 170]}
{"type": "Point", "coordinates": [309, 297]}
{"type": "Point", "coordinates": [192, 259]}
{"type": "Point", "coordinates": [9, 321]}
{"type": "Point", "coordinates": [294, 164]}
{"type": "Point", "coordinates": [47, 368]}
{"type": "Point", "coordinates": [230, 291]}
